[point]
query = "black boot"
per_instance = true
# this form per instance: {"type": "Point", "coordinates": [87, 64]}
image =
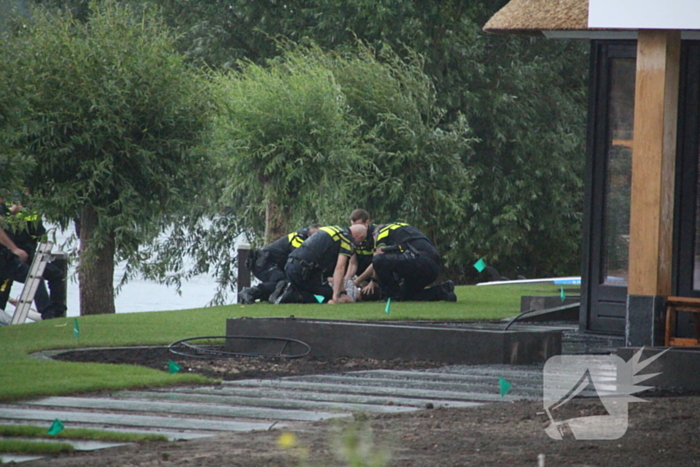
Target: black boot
{"type": "Point", "coordinates": [448, 290]}
{"type": "Point", "coordinates": [55, 310]}
{"type": "Point", "coordinates": [292, 295]}
{"type": "Point", "coordinates": [248, 295]}
{"type": "Point", "coordinates": [279, 290]}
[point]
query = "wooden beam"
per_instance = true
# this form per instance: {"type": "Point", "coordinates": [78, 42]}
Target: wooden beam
{"type": "Point", "coordinates": [653, 162]}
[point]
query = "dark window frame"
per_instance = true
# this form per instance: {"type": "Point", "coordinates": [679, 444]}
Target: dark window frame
{"type": "Point", "coordinates": [686, 189]}
{"type": "Point", "coordinates": [687, 185]}
{"type": "Point", "coordinates": [601, 305]}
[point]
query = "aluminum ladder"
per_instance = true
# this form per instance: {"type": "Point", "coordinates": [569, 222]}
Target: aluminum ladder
{"type": "Point", "coordinates": [31, 284]}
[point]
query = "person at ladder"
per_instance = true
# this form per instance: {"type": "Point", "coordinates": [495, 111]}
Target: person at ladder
{"type": "Point", "coordinates": [5, 284]}
{"type": "Point", "coordinates": [14, 265]}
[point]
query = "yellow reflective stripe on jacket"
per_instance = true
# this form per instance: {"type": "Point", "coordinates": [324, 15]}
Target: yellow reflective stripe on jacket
{"type": "Point", "coordinates": [345, 245]}
{"type": "Point", "coordinates": [332, 231]}
{"type": "Point", "coordinates": [295, 239]}
{"type": "Point", "coordinates": [337, 235]}
{"type": "Point", "coordinates": [28, 216]}
{"type": "Point", "coordinates": [384, 231]}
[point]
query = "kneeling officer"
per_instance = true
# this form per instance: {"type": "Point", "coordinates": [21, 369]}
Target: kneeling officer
{"type": "Point", "coordinates": [267, 265]}
{"type": "Point", "coordinates": [406, 262]}
{"type": "Point", "coordinates": [324, 254]}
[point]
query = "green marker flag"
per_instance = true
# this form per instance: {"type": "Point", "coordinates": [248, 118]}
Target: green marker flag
{"type": "Point", "coordinates": [320, 298]}
{"type": "Point", "coordinates": [173, 367]}
{"type": "Point", "coordinates": [388, 305]}
{"type": "Point", "coordinates": [562, 294]}
{"type": "Point", "coordinates": [505, 385]}
{"type": "Point", "coordinates": [56, 427]}
{"type": "Point", "coordinates": [76, 329]}
{"type": "Point", "coordinates": [480, 265]}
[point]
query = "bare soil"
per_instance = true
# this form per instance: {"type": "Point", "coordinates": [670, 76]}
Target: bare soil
{"type": "Point", "coordinates": [228, 369]}
{"type": "Point", "coordinates": [662, 432]}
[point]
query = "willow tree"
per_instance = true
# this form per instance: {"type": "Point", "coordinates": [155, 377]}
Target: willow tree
{"type": "Point", "coordinates": [287, 136]}
{"type": "Point", "coordinates": [119, 117]}
{"type": "Point", "coordinates": [414, 170]}
{"type": "Point", "coordinates": [14, 163]}
{"type": "Point", "coordinates": [313, 134]}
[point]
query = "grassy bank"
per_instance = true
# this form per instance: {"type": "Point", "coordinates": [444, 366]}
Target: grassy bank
{"type": "Point", "coordinates": [24, 376]}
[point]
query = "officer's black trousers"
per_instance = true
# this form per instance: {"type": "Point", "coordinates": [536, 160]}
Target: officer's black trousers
{"type": "Point", "coordinates": [308, 283]}
{"type": "Point", "coordinates": [268, 275]}
{"type": "Point", "coordinates": [404, 276]}
{"type": "Point", "coordinates": [12, 268]}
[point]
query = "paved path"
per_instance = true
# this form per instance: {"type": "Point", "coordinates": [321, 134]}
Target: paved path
{"type": "Point", "coordinates": [250, 405]}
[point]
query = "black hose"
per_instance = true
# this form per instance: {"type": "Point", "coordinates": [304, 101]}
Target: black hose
{"type": "Point", "coordinates": [197, 350]}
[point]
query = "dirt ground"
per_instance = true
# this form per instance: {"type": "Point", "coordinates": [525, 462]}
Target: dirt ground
{"type": "Point", "coordinates": [665, 431]}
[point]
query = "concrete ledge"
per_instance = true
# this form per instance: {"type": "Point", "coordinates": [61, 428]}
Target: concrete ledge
{"type": "Point", "coordinates": [566, 312]}
{"type": "Point", "coordinates": [677, 367]}
{"type": "Point", "coordinates": [442, 343]}
{"type": "Point", "coordinates": [545, 302]}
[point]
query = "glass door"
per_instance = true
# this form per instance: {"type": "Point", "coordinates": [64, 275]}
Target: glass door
{"type": "Point", "coordinates": [608, 183]}
{"type": "Point", "coordinates": [687, 228]}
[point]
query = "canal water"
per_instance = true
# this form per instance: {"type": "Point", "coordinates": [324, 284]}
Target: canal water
{"type": "Point", "coordinates": [140, 295]}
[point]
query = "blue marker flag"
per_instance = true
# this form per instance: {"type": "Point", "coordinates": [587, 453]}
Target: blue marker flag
{"type": "Point", "coordinates": [76, 329]}
{"type": "Point", "coordinates": [388, 305]}
{"type": "Point", "coordinates": [320, 298]}
{"type": "Point", "coordinates": [505, 385]}
{"type": "Point", "coordinates": [480, 265]}
{"type": "Point", "coordinates": [562, 294]}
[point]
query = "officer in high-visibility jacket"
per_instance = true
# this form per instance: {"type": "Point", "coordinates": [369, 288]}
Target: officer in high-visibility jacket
{"type": "Point", "coordinates": [17, 246]}
{"type": "Point", "coordinates": [267, 264]}
{"type": "Point", "coordinates": [5, 283]}
{"type": "Point", "coordinates": [405, 263]}
{"type": "Point", "coordinates": [326, 253]}
{"type": "Point", "coordinates": [360, 269]}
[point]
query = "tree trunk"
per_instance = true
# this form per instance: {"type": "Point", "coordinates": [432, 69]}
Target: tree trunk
{"type": "Point", "coordinates": [275, 222]}
{"type": "Point", "coordinates": [96, 269]}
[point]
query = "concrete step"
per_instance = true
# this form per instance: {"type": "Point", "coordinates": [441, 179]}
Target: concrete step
{"type": "Point", "coordinates": [467, 385]}
{"type": "Point", "coordinates": [104, 419]}
{"type": "Point", "coordinates": [280, 400]}
{"type": "Point", "coordinates": [77, 445]}
{"type": "Point", "coordinates": [250, 405]}
{"type": "Point", "coordinates": [199, 410]}
{"type": "Point", "coordinates": [368, 402]}
{"type": "Point", "coordinates": [17, 458]}
{"type": "Point", "coordinates": [394, 391]}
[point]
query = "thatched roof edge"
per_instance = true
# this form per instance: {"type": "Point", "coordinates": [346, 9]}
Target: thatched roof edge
{"type": "Point", "coordinates": [532, 16]}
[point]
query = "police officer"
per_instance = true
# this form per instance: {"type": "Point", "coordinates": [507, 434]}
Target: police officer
{"type": "Point", "coordinates": [5, 283]}
{"type": "Point", "coordinates": [365, 250]}
{"type": "Point", "coordinates": [360, 269]}
{"type": "Point", "coordinates": [267, 265]}
{"type": "Point", "coordinates": [327, 253]}
{"type": "Point", "coordinates": [406, 262]}
{"type": "Point", "coordinates": [17, 247]}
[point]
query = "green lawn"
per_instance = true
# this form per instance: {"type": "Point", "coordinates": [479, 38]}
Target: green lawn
{"type": "Point", "coordinates": [33, 447]}
{"type": "Point", "coordinates": [23, 376]}
{"type": "Point", "coordinates": [32, 431]}
{"type": "Point", "coordinates": [32, 439]}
